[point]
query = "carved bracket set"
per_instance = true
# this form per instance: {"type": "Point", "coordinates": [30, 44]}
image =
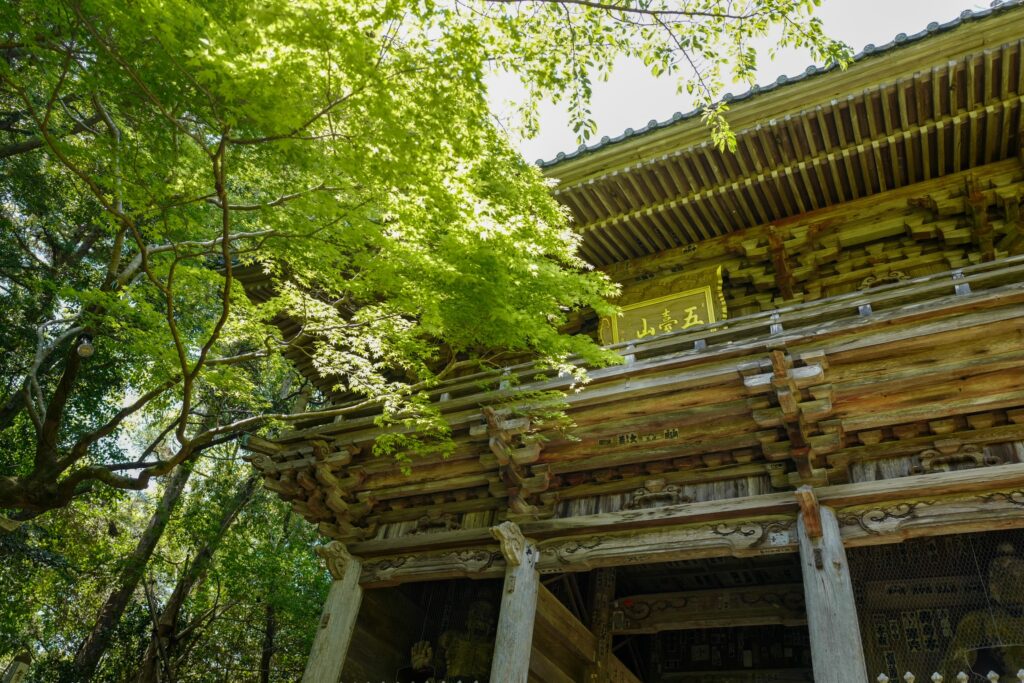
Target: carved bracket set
{"type": "Point", "coordinates": [791, 393]}
{"type": "Point", "coordinates": [514, 458]}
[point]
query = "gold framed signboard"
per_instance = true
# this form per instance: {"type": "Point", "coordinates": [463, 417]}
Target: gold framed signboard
{"type": "Point", "coordinates": [672, 312]}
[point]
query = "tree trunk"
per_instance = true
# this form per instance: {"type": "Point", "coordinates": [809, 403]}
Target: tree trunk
{"type": "Point", "coordinates": [164, 642]}
{"type": "Point", "coordinates": [269, 633]}
{"type": "Point", "coordinates": [96, 643]}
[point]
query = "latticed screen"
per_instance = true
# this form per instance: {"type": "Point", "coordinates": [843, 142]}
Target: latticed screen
{"type": "Point", "coordinates": [945, 604]}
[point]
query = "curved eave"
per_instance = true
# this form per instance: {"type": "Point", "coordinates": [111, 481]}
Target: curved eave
{"type": "Point", "coordinates": [924, 109]}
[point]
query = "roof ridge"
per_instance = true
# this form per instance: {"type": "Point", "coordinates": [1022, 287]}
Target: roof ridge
{"type": "Point", "coordinates": [869, 50]}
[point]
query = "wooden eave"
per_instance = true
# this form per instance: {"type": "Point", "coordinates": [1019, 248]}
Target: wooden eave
{"type": "Point", "coordinates": [793, 396]}
{"type": "Point", "coordinates": [939, 105]}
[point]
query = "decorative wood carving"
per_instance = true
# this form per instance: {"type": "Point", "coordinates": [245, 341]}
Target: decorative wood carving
{"type": "Point", "coordinates": [809, 510]}
{"type": "Point", "coordinates": [888, 278]}
{"type": "Point", "coordinates": [430, 566]}
{"type": "Point", "coordinates": [980, 511]}
{"type": "Point", "coordinates": [748, 606]}
{"type": "Point", "coordinates": [739, 538]}
{"type": "Point", "coordinates": [949, 455]}
{"type": "Point", "coordinates": [972, 509]}
{"type": "Point", "coordinates": [785, 386]}
{"type": "Point", "coordinates": [437, 522]}
{"type": "Point", "coordinates": [336, 557]}
{"type": "Point", "coordinates": [513, 457]}
{"type": "Point", "coordinates": [670, 304]}
{"type": "Point", "coordinates": [655, 493]}
{"type": "Point", "coordinates": [511, 540]}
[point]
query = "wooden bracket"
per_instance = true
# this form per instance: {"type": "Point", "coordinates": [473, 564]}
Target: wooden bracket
{"type": "Point", "coordinates": [780, 262]}
{"type": "Point", "coordinates": [977, 208]}
{"type": "Point", "coordinates": [810, 511]}
{"type": "Point", "coordinates": [513, 543]}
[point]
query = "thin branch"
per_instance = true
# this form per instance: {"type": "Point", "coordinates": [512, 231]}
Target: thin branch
{"type": "Point", "coordinates": [81, 446]}
{"type": "Point", "coordinates": [629, 9]}
{"type": "Point", "coordinates": [208, 245]}
{"type": "Point", "coordinates": [276, 202]}
{"type": "Point", "coordinates": [16, 148]}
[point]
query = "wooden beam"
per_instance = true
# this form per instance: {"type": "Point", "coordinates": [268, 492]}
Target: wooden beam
{"type": "Point", "coordinates": [780, 262]}
{"type": "Point", "coordinates": [618, 673]}
{"type": "Point", "coordinates": [721, 608]}
{"type": "Point", "coordinates": [946, 503]}
{"type": "Point", "coordinates": [466, 548]}
{"type": "Point", "coordinates": [977, 210]}
{"type": "Point", "coordinates": [17, 670]}
{"type": "Point", "coordinates": [836, 651]}
{"type": "Point", "coordinates": [567, 633]}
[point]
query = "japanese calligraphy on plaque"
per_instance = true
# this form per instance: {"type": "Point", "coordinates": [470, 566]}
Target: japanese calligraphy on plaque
{"type": "Point", "coordinates": [697, 301]}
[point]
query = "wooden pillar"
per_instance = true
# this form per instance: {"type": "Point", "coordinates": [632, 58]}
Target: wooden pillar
{"type": "Point", "coordinates": [836, 651]}
{"type": "Point", "coordinates": [338, 619]}
{"type": "Point", "coordinates": [17, 670]}
{"type": "Point", "coordinates": [602, 595]}
{"type": "Point", "coordinates": [514, 639]}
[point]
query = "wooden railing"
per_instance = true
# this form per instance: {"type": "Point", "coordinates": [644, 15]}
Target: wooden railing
{"type": "Point", "coordinates": [917, 295]}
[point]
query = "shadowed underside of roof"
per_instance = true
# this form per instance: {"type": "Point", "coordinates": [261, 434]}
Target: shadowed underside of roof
{"type": "Point", "coordinates": [918, 109]}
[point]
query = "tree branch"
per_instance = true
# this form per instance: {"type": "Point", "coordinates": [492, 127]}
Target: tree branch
{"type": "Point", "coordinates": [24, 146]}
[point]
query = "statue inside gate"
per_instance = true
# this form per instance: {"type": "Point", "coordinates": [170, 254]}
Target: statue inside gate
{"type": "Point", "coordinates": [464, 654]}
{"type": "Point", "coordinates": [468, 652]}
{"type": "Point", "coordinates": [992, 638]}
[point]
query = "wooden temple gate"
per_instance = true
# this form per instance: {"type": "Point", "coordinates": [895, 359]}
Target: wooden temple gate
{"type": "Point", "coordinates": [823, 340]}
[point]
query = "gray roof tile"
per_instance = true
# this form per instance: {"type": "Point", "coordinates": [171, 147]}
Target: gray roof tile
{"type": "Point", "coordinates": [869, 50]}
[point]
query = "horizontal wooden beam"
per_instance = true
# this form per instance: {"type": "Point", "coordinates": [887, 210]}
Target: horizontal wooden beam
{"type": "Point", "coordinates": [869, 513]}
{"type": "Point", "coordinates": [685, 610]}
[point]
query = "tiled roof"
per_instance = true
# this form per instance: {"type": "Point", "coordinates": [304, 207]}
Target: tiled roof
{"type": "Point", "coordinates": [870, 50]}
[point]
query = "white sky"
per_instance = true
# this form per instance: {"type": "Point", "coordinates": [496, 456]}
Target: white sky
{"type": "Point", "coordinates": [632, 97]}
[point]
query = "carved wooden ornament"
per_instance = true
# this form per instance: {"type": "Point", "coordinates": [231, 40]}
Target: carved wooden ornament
{"type": "Point", "coordinates": [810, 511]}
{"type": "Point", "coordinates": [512, 542]}
{"type": "Point", "coordinates": [336, 556]}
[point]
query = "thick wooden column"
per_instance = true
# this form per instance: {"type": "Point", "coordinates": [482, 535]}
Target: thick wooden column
{"type": "Point", "coordinates": [17, 670]}
{"type": "Point", "coordinates": [514, 639]}
{"type": "Point", "coordinates": [836, 651]}
{"type": "Point", "coordinates": [338, 619]}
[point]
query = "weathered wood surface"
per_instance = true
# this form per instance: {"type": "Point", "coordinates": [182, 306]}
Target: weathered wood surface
{"type": "Point", "coordinates": [792, 318]}
{"type": "Point", "coordinates": [618, 673]}
{"type": "Point", "coordinates": [562, 646]}
{"type": "Point", "coordinates": [721, 608]}
{"type": "Point", "coordinates": [602, 596]}
{"type": "Point", "coordinates": [544, 670]}
{"type": "Point", "coordinates": [925, 379]}
{"type": "Point", "coordinates": [387, 626]}
{"type": "Point", "coordinates": [811, 144]}
{"type": "Point", "coordinates": [337, 620]}
{"type": "Point", "coordinates": [562, 630]}
{"type": "Point", "coordinates": [870, 513]}
{"type": "Point", "coordinates": [837, 654]}
{"type": "Point", "coordinates": [514, 638]}
{"type": "Point", "coordinates": [17, 670]}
